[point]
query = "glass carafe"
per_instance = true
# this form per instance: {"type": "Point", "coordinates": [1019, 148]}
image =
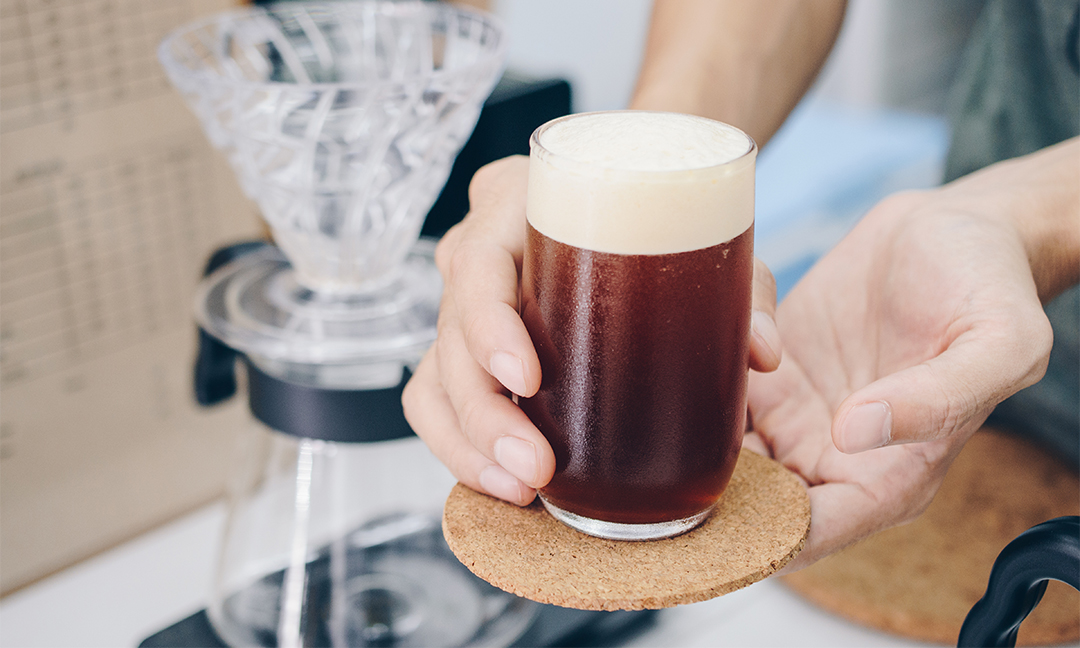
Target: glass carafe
{"type": "Point", "coordinates": [340, 544]}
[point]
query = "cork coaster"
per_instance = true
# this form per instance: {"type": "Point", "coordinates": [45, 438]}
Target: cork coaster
{"type": "Point", "coordinates": [920, 580]}
{"type": "Point", "coordinates": [759, 525]}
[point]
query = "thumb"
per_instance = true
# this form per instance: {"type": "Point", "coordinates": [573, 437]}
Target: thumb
{"type": "Point", "coordinates": [941, 397]}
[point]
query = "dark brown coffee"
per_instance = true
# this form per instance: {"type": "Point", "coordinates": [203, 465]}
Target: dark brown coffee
{"type": "Point", "coordinates": [644, 360]}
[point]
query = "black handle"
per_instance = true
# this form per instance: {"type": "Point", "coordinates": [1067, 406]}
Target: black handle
{"type": "Point", "coordinates": [1050, 550]}
{"type": "Point", "coordinates": [215, 363]}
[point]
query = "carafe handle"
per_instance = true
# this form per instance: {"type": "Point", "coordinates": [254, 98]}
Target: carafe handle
{"type": "Point", "coordinates": [215, 363]}
{"type": "Point", "coordinates": [1046, 551]}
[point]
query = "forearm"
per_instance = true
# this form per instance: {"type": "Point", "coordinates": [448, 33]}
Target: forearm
{"type": "Point", "coordinates": [1039, 195]}
{"type": "Point", "coordinates": [743, 62]}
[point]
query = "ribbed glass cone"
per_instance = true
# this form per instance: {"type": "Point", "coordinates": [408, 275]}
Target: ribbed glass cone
{"type": "Point", "coordinates": [341, 120]}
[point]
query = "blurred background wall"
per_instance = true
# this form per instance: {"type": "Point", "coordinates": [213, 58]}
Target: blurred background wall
{"type": "Point", "coordinates": [891, 53]}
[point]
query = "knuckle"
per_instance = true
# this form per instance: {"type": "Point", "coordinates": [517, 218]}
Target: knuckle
{"type": "Point", "coordinates": [484, 178]}
{"type": "Point", "coordinates": [1024, 338]}
{"type": "Point", "coordinates": [446, 322]}
{"type": "Point", "coordinates": [761, 270]}
{"type": "Point", "coordinates": [459, 259]}
{"type": "Point", "coordinates": [473, 326]}
{"type": "Point", "coordinates": [410, 406]}
{"type": "Point", "coordinates": [903, 200]}
{"type": "Point", "coordinates": [489, 178]}
{"type": "Point", "coordinates": [447, 336]}
{"type": "Point", "coordinates": [485, 175]}
{"type": "Point", "coordinates": [418, 390]}
{"type": "Point", "coordinates": [481, 324]}
{"type": "Point", "coordinates": [412, 396]}
{"type": "Point", "coordinates": [472, 416]}
{"type": "Point", "coordinates": [1043, 342]}
{"type": "Point", "coordinates": [444, 249]}
{"type": "Point", "coordinates": [763, 275]}
{"type": "Point", "coordinates": [456, 461]}
{"type": "Point", "coordinates": [443, 326]}
{"type": "Point", "coordinates": [409, 396]}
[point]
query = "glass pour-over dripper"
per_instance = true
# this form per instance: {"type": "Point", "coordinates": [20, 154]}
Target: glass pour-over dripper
{"type": "Point", "coordinates": [342, 121]}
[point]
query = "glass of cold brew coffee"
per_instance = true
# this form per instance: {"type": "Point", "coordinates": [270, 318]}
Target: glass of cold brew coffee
{"type": "Point", "coordinates": [636, 291]}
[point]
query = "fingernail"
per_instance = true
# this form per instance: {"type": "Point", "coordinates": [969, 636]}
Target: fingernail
{"type": "Point", "coordinates": [765, 328]}
{"type": "Point", "coordinates": [508, 369]}
{"type": "Point", "coordinates": [501, 484]}
{"type": "Point", "coordinates": [518, 457]}
{"type": "Point", "coordinates": [867, 427]}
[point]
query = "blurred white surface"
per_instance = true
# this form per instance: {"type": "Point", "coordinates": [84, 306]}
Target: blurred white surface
{"type": "Point", "coordinates": [124, 595]}
{"type": "Point", "coordinates": [596, 45]}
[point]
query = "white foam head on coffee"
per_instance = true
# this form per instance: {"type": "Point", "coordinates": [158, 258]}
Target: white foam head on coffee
{"type": "Point", "coordinates": [633, 182]}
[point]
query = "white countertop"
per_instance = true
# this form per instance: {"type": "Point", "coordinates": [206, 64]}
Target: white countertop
{"type": "Point", "coordinates": [124, 595]}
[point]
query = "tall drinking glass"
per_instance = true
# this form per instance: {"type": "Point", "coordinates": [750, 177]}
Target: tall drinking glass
{"type": "Point", "coordinates": [636, 291]}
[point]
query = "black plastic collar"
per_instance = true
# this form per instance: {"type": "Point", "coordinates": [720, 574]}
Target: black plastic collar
{"type": "Point", "coordinates": [341, 415]}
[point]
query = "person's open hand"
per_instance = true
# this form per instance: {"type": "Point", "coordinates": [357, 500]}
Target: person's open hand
{"type": "Point", "coordinates": [459, 398]}
{"type": "Point", "coordinates": [898, 344]}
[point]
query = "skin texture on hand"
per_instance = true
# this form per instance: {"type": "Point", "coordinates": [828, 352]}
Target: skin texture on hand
{"type": "Point", "coordinates": [907, 334]}
{"type": "Point", "coordinates": [459, 399]}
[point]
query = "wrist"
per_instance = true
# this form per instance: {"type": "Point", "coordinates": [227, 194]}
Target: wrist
{"type": "Point", "coordinates": [1038, 196]}
{"type": "Point", "coordinates": [1053, 247]}
{"type": "Point", "coordinates": [1048, 219]}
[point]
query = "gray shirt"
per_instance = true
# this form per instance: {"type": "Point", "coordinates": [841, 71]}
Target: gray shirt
{"type": "Point", "coordinates": [1018, 91]}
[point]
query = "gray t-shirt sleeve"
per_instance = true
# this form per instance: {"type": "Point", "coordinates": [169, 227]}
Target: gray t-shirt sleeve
{"type": "Point", "coordinates": [1018, 91]}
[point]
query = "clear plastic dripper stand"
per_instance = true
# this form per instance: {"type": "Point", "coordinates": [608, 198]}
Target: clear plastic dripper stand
{"type": "Point", "coordinates": [341, 120]}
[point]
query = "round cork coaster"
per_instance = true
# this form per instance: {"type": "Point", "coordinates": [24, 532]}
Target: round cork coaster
{"type": "Point", "coordinates": [758, 526]}
{"type": "Point", "coordinates": [920, 580]}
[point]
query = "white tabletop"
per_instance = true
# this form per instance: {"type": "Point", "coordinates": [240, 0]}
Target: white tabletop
{"type": "Point", "coordinates": [126, 594]}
